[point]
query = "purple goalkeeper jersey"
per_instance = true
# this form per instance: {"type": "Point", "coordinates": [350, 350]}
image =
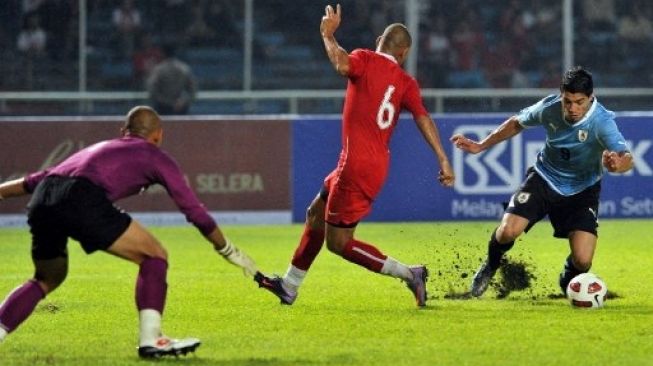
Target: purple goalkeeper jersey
{"type": "Point", "coordinates": [124, 167]}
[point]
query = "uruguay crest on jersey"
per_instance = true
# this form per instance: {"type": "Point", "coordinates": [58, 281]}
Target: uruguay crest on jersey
{"type": "Point", "coordinates": [582, 135]}
{"type": "Point", "coordinates": [522, 197]}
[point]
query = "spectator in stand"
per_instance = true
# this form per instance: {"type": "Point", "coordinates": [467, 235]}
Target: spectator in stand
{"type": "Point", "coordinates": [9, 24]}
{"type": "Point", "coordinates": [220, 16]}
{"type": "Point", "coordinates": [172, 9]}
{"type": "Point", "coordinates": [635, 27]}
{"type": "Point", "coordinates": [467, 42]}
{"type": "Point", "coordinates": [171, 84]}
{"type": "Point", "coordinates": [127, 20]}
{"type": "Point", "coordinates": [145, 58]}
{"type": "Point", "coordinates": [56, 16]}
{"type": "Point", "coordinates": [438, 52]}
{"type": "Point", "coordinates": [550, 74]}
{"type": "Point", "coordinates": [198, 32]}
{"type": "Point", "coordinates": [32, 38]}
{"type": "Point", "coordinates": [600, 15]}
{"type": "Point", "coordinates": [516, 22]}
{"type": "Point", "coordinates": [499, 63]}
{"type": "Point", "coordinates": [635, 33]}
{"type": "Point", "coordinates": [30, 6]}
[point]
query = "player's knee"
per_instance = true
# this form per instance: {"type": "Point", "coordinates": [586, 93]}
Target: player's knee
{"type": "Point", "coordinates": [335, 246]}
{"type": "Point", "coordinates": [51, 278]}
{"type": "Point", "coordinates": [159, 252]}
{"type": "Point", "coordinates": [507, 233]}
{"type": "Point", "coordinates": [314, 218]}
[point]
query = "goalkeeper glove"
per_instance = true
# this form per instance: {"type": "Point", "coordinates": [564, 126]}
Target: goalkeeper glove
{"type": "Point", "coordinates": [237, 257]}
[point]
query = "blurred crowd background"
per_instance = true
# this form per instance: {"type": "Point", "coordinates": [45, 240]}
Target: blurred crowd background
{"type": "Point", "coordinates": [462, 43]}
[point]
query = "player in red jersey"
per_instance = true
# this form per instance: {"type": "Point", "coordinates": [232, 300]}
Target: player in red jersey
{"type": "Point", "coordinates": [377, 90]}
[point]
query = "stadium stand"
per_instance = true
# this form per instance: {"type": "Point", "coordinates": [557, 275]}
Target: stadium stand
{"type": "Point", "coordinates": [461, 42]}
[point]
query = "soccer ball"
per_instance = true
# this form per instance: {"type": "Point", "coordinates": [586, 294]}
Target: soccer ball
{"type": "Point", "coordinates": [587, 290]}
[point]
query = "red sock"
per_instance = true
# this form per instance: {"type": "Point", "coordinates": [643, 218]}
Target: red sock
{"type": "Point", "coordinates": [364, 254]}
{"type": "Point", "coordinates": [309, 246]}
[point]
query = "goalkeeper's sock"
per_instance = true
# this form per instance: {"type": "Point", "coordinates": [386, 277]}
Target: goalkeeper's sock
{"type": "Point", "coordinates": [293, 278]}
{"type": "Point", "coordinates": [364, 254]}
{"type": "Point", "coordinates": [3, 333]}
{"type": "Point", "coordinates": [227, 249]}
{"type": "Point", "coordinates": [309, 247]}
{"type": "Point", "coordinates": [496, 250]}
{"type": "Point", "coordinates": [151, 286]}
{"type": "Point", "coordinates": [149, 327]}
{"type": "Point", "coordinates": [19, 304]}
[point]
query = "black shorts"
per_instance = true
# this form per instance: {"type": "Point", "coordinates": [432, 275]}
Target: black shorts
{"type": "Point", "coordinates": [535, 199]}
{"type": "Point", "coordinates": [63, 207]}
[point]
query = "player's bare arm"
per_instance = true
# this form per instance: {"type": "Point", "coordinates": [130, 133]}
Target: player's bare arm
{"type": "Point", "coordinates": [506, 130]}
{"type": "Point", "coordinates": [12, 188]}
{"type": "Point", "coordinates": [429, 130]}
{"type": "Point", "coordinates": [617, 162]}
{"type": "Point", "coordinates": [337, 55]}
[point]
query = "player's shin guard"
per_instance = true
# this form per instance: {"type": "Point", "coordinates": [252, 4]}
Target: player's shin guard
{"type": "Point", "coordinates": [364, 254]}
{"type": "Point", "coordinates": [19, 304]}
{"type": "Point", "coordinates": [496, 250]}
{"type": "Point", "coordinates": [569, 271]}
{"type": "Point", "coordinates": [309, 247]}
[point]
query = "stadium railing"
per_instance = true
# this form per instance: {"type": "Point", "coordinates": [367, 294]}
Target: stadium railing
{"type": "Point", "coordinates": [436, 100]}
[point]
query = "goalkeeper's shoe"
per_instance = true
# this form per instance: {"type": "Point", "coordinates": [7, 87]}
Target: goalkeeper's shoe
{"type": "Point", "coordinates": [482, 279]}
{"type": "Point", "coordinates": [165, 346]}
{"type": "Point", "coordinates": [275, 285]}
{"type": "Point", "coordinates": [418, 284]}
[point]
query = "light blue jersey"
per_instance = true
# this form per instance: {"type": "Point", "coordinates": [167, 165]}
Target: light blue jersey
{"type": "Point", "coordinates": [571, 158]}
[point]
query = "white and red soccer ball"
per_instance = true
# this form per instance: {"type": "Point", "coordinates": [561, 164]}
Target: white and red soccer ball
{"type": "Point", "coordinates": [587, 290]}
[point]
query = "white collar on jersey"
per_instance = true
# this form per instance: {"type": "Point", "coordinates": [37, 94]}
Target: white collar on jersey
{"type": "Point", "coordinates": [389, 57]}
{"type": "Point", "coordinates": [588, 114]}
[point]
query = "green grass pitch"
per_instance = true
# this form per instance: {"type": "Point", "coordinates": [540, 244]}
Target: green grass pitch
{"type": "Point", "coordinates": [345, 315]}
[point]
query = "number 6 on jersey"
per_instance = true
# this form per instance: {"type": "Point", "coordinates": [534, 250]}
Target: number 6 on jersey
{"type": "Point", "coordinates": [386, 113]}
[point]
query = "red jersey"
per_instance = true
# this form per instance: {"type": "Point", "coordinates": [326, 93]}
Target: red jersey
{"type": "Point", "coordinates": [377, 90]}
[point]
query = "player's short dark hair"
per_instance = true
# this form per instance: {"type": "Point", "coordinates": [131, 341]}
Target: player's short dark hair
{"type": "Point", "coordinates": [141, 121]}
{"type": "Point", "coordinates": [577, 80]}
{"type": "Point", "coordinates": [397, 36]}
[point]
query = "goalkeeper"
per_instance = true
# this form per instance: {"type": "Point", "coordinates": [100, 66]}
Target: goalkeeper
{"type": "Point", "coordinates": [75, 199]}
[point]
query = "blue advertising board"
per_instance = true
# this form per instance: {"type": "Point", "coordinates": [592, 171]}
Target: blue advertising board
{"type": "Point", "coordinates": [484, 181]}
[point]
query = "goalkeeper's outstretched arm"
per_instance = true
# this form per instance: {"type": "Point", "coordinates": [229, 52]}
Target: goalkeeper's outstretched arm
{"type": "Point", "coordinates": [231, 253]}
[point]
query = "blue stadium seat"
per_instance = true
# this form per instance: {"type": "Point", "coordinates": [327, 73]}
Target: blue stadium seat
{"type": "Point", "coordinates": [211, 54]}
{"type": "Point", "coordinates": [270, 38]}
{"type": "Point", "coordinates": [466, 79]}
{"type": "Point", "coordinates": [116, 70]}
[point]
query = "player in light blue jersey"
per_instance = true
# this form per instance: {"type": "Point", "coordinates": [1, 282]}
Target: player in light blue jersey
{"type": "Point", "coordinates": [582, 139]}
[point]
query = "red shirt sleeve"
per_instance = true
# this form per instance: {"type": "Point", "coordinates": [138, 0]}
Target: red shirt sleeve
{"type": "Point", "coordinates": [357, 60]}
{"type": "Point", "coordinates": [413, 100]}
